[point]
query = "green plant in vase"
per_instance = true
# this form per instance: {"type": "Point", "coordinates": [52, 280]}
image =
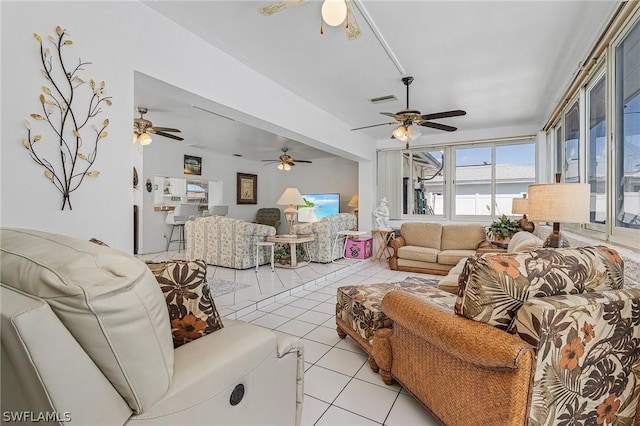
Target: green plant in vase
{"type": "Point", "coordinates": [502, 229]}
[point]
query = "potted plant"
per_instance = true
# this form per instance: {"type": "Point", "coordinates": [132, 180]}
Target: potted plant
{"type": "Point", "coordinates": [282, 253]}
{"type": "Point", "coordinates": [501, 230]}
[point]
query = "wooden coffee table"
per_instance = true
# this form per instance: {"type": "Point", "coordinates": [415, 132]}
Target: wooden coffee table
{"type": "Point", "coordinates": [293, 241]}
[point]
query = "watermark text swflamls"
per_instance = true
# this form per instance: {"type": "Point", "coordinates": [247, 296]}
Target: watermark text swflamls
{"type": "Point", "coordinates": [36, 416]}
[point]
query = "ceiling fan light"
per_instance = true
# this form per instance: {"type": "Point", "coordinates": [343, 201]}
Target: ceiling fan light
{"type": "Point", "coordinates": [145, 139]}
{"type": "Point", "coordinates": [334, 12]}
{"type": "Point", "coordinates": [287, 167]}
{"type": "Point", "coordinates": [401, 133]}
{"type": "Point", "coordinates": [135, 137]}
{"type": "Point", "coordinates": [280, 166]}
{"type": "Point", "coordinates": [413, 133]}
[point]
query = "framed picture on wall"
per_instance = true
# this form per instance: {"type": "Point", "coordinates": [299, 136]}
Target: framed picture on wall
{"type": "Point", "coordinates": [247, 189]}
{"type": "Point", "coordinates": [192, 165]}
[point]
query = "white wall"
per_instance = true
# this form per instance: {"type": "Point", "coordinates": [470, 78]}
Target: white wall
{"type": "Point", "coordinates": [111, 37]}
{"type": "Point", "coordinates": [165, 157]}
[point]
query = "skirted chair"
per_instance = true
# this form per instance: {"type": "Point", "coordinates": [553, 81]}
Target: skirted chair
{"type": "Point", "coordinates": [225, 241]}
{"type": "Point", "coordinates": [546, 337]}
{"type": "Point", "coordinates": [268, 216]}
{"type": "Point", "coordinates": [324, 231]}
{"type": "Point", "coordinates": [87, 340]}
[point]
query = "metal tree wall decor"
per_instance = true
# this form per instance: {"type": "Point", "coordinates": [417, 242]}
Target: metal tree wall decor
{"type": "Point", "coordinates": [67, 111]}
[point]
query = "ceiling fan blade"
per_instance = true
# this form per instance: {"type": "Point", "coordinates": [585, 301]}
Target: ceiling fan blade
{"type": "Point", "coordinates": [374, 125]}
{"type": "Point", "coordinates": [444, 114]}
{"type": "Point", "coordinates": [304, 161]}
{"type": "Point", "coordinates": [438, 126]}
{"type": "Point", "coordinates": [351, 27]}
{"type": "Point", "coordinates": [392, 115]}
{"type": "Point", "coordinates": [165, 129]}
{"type": "Point", "coordinates": [278, 6]}
{"type": "Point", "coordinates": [270, 160]}
{"type": "Point", "coordinates": [166, 135]}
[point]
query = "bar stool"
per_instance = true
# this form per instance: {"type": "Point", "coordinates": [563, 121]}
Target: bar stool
{"type": "Point", "coordinates": [265, 244]}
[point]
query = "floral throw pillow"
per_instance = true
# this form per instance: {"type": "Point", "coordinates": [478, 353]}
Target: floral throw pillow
{"type": "Point", "coordinates": [493, 287]}
{"type": "Point", "coordinates": [191, 309]}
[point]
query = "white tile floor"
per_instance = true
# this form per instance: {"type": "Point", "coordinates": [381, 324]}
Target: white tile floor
{"type": "Point", "coordinates": [340, 388]}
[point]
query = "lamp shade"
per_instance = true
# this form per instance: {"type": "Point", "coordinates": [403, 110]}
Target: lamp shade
{"type": "Point", "coordinates": [520, 205]}
{"type": "Point", "coordinates": [353, 202]}
{"type": "Point", "coordinates": [559, 202]}
{"type": "Point", "coordinates": [145, 139]}
{"type": "Point", "coordinates": [291, 197]}
{"type": "Point", "coordinates": [334, 12]}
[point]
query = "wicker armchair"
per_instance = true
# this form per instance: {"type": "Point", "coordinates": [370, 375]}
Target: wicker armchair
{"type": "Point", "coordinates": [573, 353]}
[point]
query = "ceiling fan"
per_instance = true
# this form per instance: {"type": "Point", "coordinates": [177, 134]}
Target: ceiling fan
{"type": "Point", "coordinates": [333, 12]}
{"type": "Point", "coordinates": [285, 161]}
{"type": "Point", "coordinates": [409, 117]}
{"type": "Point", "coordinates": [142, 126]}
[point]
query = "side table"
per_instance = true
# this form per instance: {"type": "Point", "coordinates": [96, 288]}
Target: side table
{"type": "Point", "coordinates": [382, 237]}
{"type": "Point", "coordinates": [264, 244]}
{"type": "Point", "coordinates": [292, 241]}
{"type": "Point", "coordinates": [346, 235]}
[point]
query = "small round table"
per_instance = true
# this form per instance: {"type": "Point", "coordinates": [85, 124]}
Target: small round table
{"type": "Point", "coordinates": [264, 244]}
{"type": "Point", "coordinates": [346, 235]}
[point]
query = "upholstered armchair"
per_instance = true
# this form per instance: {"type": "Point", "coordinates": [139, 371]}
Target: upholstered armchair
{"type": "Point", "coordinates": [268, 216]}
{"type": "Point", "coordinates": [540, 338]}
{"type": "Point", "coordinates": [225, 241]}
{"type": "Point", "coordinates": [324, 232]}
{"type": "Point", "coordinates": [87, 340]}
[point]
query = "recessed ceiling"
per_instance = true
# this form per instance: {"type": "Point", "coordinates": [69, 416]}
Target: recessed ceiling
{"type": "Point", "coordinates": [506, 63]}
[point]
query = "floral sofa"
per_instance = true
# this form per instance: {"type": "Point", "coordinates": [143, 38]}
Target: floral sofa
{"type": "Point", "coordinates": [520, 242]}
{"type": "Point", "coordinates": [224, 241]}
{"type": "Point", "coordinates": [324, 231]}
{"type": "Point", "coordinates": [546, 337]}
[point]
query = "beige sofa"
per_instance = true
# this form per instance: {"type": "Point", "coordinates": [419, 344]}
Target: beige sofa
{"type": "Point", "coordinates": [434, 248]}
{"type": "Point", "coordinates": [520, 242]}
{"type": "Point", "coordinates": [225, 241]}
{"type": "Point", "coordinates": [86, 338]}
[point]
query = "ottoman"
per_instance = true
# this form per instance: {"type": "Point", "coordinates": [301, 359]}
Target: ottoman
{"type": "Point", "coordinates": [359, 311]}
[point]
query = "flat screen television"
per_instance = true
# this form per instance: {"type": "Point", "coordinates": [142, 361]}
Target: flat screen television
{"type": "Point", "coordinates": [319, 206]}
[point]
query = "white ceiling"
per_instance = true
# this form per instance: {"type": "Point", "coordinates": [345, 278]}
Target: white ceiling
{"type": "Point", "coordinates": [506, 63]}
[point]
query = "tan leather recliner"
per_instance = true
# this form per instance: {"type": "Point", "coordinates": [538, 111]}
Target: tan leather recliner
{"type": "Point", "coordinates": [86, 339]}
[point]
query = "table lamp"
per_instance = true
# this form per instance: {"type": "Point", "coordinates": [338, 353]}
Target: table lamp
{"type": "Point", "coordinates": [521, 206]}
{"type": "Point", "coordinates": [559, 203]}
{"type": "Point", "coordinates": [354, 203]}
{"type": "Point", "coordinates": [291, 197]}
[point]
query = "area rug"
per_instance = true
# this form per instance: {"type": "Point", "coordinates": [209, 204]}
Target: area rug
{"type": "Point", "coordinates": [433, 282]}
{"type": "Point", "coordinates": [219, 287]}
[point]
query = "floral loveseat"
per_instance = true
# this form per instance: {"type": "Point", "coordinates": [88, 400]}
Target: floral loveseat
{"type": "Point", "coordinates": [224, 241]}
{"type": "Point", "coordinates": [324, 232]}
{"type": "Point", "coordinates": [546, 337]}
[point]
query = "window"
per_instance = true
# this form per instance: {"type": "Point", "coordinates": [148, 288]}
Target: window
{"type": "Point", "coordinates": [627, 141]}
{"type": "Point", "coordinates": [489, 177]}
{"type": "Point", "coordinates": [473, 181]}
{"type": "Point", "coordinates": [559, 156]}
{"type": "Point", "coordinates": [597, 150]}
{"type": "Point", "coordinates": [515, 171]}
{"type": "Point", "coordinates": [572, 144]}
{"type": "Point", "coordinates": [423, 183]}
